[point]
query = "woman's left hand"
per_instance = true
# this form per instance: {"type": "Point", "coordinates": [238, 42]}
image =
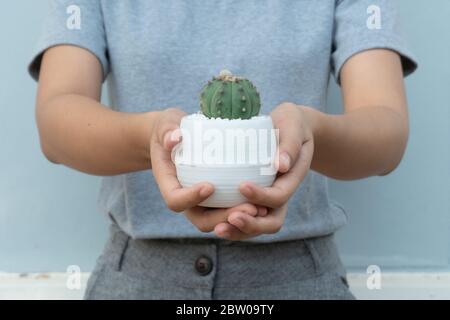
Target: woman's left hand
{"type": "Point", "coordinates": [295, 153]}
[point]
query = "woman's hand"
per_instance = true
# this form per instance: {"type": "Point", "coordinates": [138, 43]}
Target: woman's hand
{"type": "Point", "coordinates": [241, 225]}
{"type": "Point", "coordinates": [165, 136]}
{"type": "Point", "coordinates": [243, 221]}
{"type": "Point", "coordinates": [207, 219]}
{"type": "Point", "coordinates": [295, 152]}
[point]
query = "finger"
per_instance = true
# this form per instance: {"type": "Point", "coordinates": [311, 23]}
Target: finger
{"type": "Point", "coordinates": [176, 197]}
{"type": "Point", "coordinates": [169, 127]}
{"type": "Point", "coordinates": [202, 221]}
{"type": "Point", "coordinates": [289, 144]}
{"type": "Point", "coordinates": [262, 211]}
{"type": "Point", "coordinates": [256, 225]}
{"type": "Point", "coordinates": [205, 219]}
{"type": "Point", "coordinates": [180, 199]}
{"type": "Point", "coordinates": [305, 158]}
{"type": "Point", "coordinates": [171, 139]}
{"type": "Point", "coordinates": [284, 186]}
{"type": "Point", "coordinates": [245, 207]}
{"type": "Point", "coordinates": [271, 197]}
{"type": "Point", "coordinates": [282, 161]}
{"type": "Point", "coordinates": [229, 232]}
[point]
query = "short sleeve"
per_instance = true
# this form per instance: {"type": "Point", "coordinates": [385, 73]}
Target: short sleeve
{"type": "Point", "coordinates": [367, 24]}
{"type": "Point", "coordinates": [72, 22]}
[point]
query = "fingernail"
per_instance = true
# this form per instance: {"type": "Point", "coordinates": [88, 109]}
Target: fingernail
{"type": "Point", "coordinates": [204, 192]}
{"type": "Point", "coordinates": [248, 190]}
{"type": "Point", "coordinates": [262, 210]}
{"type": "Point", "coordinates": [238, 223]}
{"type": "Point", "coordinates": [285, 160]}
{"type": "Point", "coordinates": [175, 136]}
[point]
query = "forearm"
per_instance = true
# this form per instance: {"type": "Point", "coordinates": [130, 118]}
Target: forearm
{"type": "Point", "coordinates": [361, 143]}
{"type": "Point", "coordinates": [81, 133]}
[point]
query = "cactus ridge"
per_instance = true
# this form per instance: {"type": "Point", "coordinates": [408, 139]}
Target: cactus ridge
{"type": "Point", "coordinates": [229, 97]}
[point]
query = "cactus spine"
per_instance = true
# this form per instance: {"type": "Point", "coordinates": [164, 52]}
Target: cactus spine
{"type": "Point", "coordinates": [230, 97]}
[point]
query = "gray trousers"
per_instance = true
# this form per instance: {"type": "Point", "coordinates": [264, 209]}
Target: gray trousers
{"type": "Point", "coordinates": [215, 269]}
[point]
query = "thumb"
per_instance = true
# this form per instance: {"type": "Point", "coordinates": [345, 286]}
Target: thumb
{"type": "Point", "coordinates": [171, 139]}
{"type": "Point", "coordinates": [290, 142]}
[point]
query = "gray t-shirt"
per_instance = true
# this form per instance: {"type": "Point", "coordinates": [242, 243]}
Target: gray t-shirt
{"type": "Point", "coordinates": [157, 54]}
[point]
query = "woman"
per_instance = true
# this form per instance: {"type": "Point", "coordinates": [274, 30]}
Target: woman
{"type": "Point", "coordinates": [156, 55]}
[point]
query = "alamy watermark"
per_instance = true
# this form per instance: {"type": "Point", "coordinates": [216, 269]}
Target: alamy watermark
{"type": "Point", "coordinates": [73, 21]}
{"type": "Point", "coordinates": [230, 146]}
{"type": "Point", "coordinates": [73, 281]}
{"type": "Point", "coordinates": [374, 279]}
{"type": "Point", "coordinates": [374, 19]}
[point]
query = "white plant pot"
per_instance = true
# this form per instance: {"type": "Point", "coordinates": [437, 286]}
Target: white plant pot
{"type": "Point", "coordinates": [225, 153]}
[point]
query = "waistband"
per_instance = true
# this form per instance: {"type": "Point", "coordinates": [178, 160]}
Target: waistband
{"type": "Point", "coordinates": [320, 253]}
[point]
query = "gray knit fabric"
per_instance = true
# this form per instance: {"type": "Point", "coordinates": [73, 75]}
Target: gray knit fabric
{"type": "Point", "coordinates": [165, 269]}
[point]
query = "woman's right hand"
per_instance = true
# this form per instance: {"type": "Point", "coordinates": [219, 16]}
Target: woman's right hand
{"type": "Point", "coordinates": [165, 136]}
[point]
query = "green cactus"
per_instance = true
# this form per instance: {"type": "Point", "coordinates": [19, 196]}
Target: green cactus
{"type": "Point", "coordinates": [229, 97]}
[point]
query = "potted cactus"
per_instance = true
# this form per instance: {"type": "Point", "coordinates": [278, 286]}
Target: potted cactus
{"type": "Point", "coordinates": [227, 143]}
{"type": "Point", "coordinates": [230, 97]}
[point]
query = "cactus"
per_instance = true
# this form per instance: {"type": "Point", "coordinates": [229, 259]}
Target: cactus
{"type": "Point", "coordinates": [229, 97]}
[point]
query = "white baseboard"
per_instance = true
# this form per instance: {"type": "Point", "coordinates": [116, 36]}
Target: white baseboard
{"type": "Point", "coordinates": [395, 285]}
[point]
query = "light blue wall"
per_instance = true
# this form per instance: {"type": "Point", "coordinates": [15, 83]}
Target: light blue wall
{"type": "Point", "coordinates": [402, 220]}
{"type": "Point", "coordinates": [48, 214]}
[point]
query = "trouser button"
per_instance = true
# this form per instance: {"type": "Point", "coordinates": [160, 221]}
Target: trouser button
{"type": "Point", "coordinates": [203, 265]}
